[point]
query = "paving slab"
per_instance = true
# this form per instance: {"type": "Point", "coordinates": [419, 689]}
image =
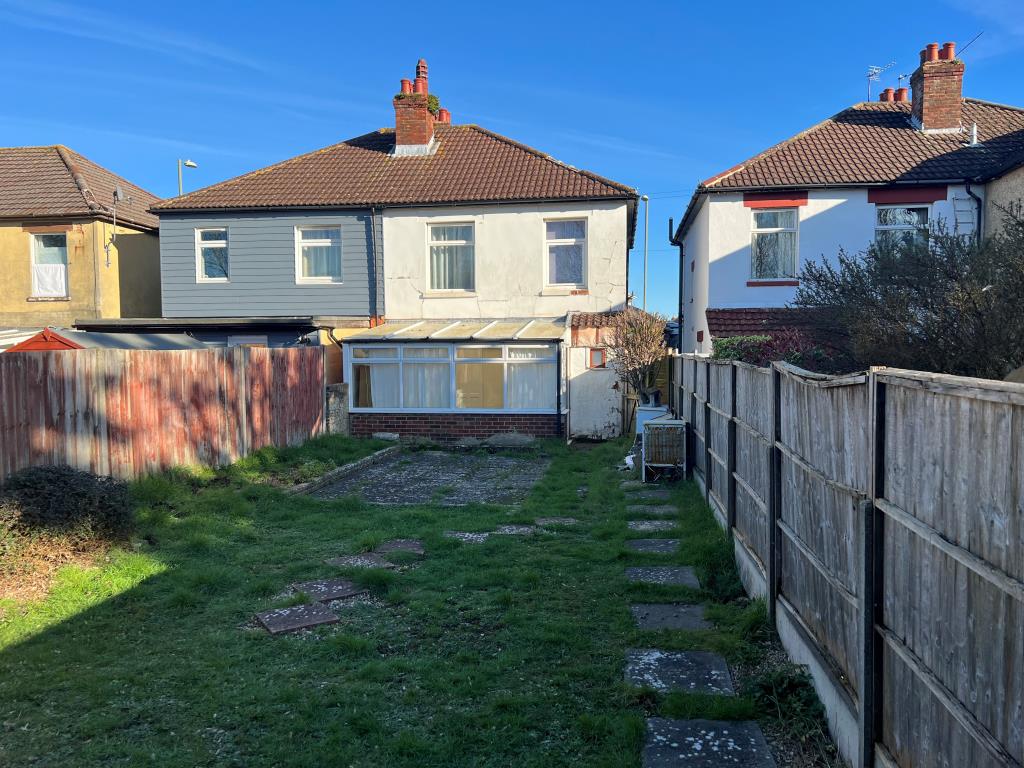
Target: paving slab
{"type": "Point", "coordinates": [556, 521]}
{"type": "Point", "coordinates": [654, 546]}
{"type": "Point", "coordinates": [364, 560]}
{"type": "Point", "coordinates": [659, 495]}
{"type": "Point", "coordinates": [296, 617]}
{"type": "Point", "coordinates": [442, 478]}
{"type": "Point", "coordinates": [669, 616]}
{"type": "Point", "coordinates": [516, 530]}
{"type": "Point", "coordinates": [705, 744]}
{"type": "Point", "coordinates": [652, 510]}
{"type": "Point", "coordinates": [670, 575]}
{"type": "Point", "coordinates": [651, 525]}
{"type": "Point", "coordinates": [323, 590]}
{"type": "Point", "coordinates": [415, 546]}
{"type": "Point", "coordinates": [469, 537]}
{"type": "Point", "coordinates": [686, 671]}
{"type": "Point", "coordinates": [631, 485]}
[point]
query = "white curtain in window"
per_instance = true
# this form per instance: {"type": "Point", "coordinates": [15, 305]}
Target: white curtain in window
{"type": "Point", "coordinates": [531, 385]}
{"type": "Point", "coordinates": [773, 254]}
{"type": "Point", "coordinates": [426, 385]}
{"type": "Point", "coordinates": [451, 268]}
{"type": "Point", "coordinates": [49, 280]}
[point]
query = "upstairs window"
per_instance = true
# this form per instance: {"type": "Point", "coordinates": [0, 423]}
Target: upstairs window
{"type": "Point", "coordinates": [566, 243]}
{"type": "Point", "coordinates": [900, 225]}
{"type": "Point", "coordinates": [451, 257]}
{"type": "Point", "coordinates": [773, 245]}
{"type": "Point", "coordinates": [212, 261]}
{"type": "Point", "coordinates": [50, 265]}
{"type": "Point", "coordinates": [318, 255]}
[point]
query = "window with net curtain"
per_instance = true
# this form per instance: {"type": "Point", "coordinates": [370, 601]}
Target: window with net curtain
{"type": "Point", "coordinates": [773, 245]}
{"type": "Point", "coordinates": [319, 254]}
{"type": "Point", "coordinates": [451, 257]}
{"type": "Point", "coordinates": [566, 242]}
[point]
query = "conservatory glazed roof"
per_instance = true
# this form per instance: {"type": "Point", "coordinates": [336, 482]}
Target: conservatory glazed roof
{"type": "Point", "coordinates": [536, 329]}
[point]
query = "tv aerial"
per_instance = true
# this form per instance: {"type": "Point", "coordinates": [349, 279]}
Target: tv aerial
{"type": "Point", "coordinates": [875, 74]}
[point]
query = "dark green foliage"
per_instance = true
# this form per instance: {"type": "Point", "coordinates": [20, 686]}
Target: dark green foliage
{"type": "Point", "coordinates": [65, 501]}
{"type": "Point", "coordinates": [786, 694]}
{"type": "Point", "coordinates": [946, 303]}
{"type": "Point", "coordinates": [791, 346]}
{"type": "Point", "coordinates": [433, 104]}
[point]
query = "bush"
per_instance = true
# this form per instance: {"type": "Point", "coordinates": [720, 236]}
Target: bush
{"type": "Point", "coordinates": [64, 501]}
{"type": "Point", "coordinates": [792, 346]}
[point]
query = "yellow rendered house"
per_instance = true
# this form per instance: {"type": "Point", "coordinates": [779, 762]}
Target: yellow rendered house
{"type": "Point", "coordinates": [76, 241]}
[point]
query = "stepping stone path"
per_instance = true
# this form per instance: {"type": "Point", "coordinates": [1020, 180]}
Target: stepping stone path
{"type": "Point", "coordinates": [704, 744]}
{"type": "Point", "coordinates": [659, 495]}
{"type": "Point", "coordinates": [669, 616]}
{"type": "Point", "coordinates": [516, 530]}
{"type": "Point", "coordinates": [650, 525]}
{"type": "Point", "coordinates": [685, 671]}
{"type": "Point", "coordinates": [364, 560]}
{"type": "Point", "coordinates": [467, 536]}
{"type": "Point", "coordinates": [666, 575]}
{"type": "Point", "coordinates": [657, 510]}
{"type": "Point", "coordinates": [296, 617]}
{"type": "Point", "coordinates": [556, 521]}
{"type": "Point", "coordinates": [654, 546]}
{"type": "Point", "coordinates": [415, 546]}
{"type": "Point", "coordinates": [325, 590]}
{"type": "Point", "coordinates": [631, 485]}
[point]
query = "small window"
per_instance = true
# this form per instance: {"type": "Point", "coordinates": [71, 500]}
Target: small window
{"type": "Point", "coordinates": [566, 243]}
{"type": "Point", "coordinates": [318, 256]}
{"type": "Point", "coordinates": [50, 265]}
{"type": "Point", "coordinates": [452, 266]}
{"type": "Point", "coordinates": [897, 226]}
{"type": "Point", "coordinates": [386, 352]}
{"type": "Point", "coordinates": [773, 245]}
{"type": "Point", "coordinates": [469, 353]}
{"type": "Point", "coordinates": [212, 260]}
{"type": "Point", "coordinates": [598, 358]}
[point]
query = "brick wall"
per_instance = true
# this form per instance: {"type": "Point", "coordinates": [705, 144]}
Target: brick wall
{"type": "Point", "coordinates": [448, 426]}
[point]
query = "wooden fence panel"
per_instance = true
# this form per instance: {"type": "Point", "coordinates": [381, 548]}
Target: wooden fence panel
{"type": "Point", "coordinates": [130, 412]}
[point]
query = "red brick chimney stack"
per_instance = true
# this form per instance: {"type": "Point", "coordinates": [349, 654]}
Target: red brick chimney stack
{"type": "Point", "coordinates": [414, 124]}
{"type": "Point", "coordinates": [937, 86]}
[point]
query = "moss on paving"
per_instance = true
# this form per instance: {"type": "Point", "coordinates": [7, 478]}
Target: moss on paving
{"type": "Point", "coordinates": [508, 652]}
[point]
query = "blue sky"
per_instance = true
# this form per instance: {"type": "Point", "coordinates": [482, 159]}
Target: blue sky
{"type": "Point", "coordinates": [655, 95]}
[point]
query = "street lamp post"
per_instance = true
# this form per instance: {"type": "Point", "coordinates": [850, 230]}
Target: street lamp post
{"type": "Point", "coordinates": [187, 164]}
{"type": "Point", "coordinates": [647, 219]}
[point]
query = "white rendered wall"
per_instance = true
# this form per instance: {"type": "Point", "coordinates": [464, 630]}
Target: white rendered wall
{"type": "Point", "coordinates": [595, 403]}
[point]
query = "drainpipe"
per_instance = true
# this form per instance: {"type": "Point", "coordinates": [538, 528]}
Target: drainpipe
{"type": "Point", "coordinates": [978, 207]}
{"type": "Point", "coordinates": [559, 430]}
{"type": "Point", "coordinates": [682, 262]}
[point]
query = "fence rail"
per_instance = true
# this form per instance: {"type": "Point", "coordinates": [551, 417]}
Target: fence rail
{"type": "Point", "coordinates": [882, 516]}
{"type": "Point", "coordinates": [130, 412]}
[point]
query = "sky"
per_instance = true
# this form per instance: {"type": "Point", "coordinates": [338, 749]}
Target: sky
{"type": "Point", "coordinates": [657, 96]}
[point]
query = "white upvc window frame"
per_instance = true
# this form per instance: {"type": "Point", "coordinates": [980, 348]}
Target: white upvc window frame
{"type": "Point", "coordinates": [199, 245]}
{"type": "Point", "coordinates": [902, 227]}
{"type": "Point", "coordinates": [450, 292]}
{"type": "Point", "coordinates": [546, 261]}
{"type": "Point", "coordinates": [301, 279]}
{"type": "Point", "coordinates": [453, 361]}
{"type": "Point", "coordinates": [756, 230]}
{"type": "Point", "coordinates": [67, 276]}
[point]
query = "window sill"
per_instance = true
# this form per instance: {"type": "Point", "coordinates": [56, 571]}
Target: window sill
{"type": "Point", "coordinates": [771, 283]}
{"type": "Point", "coordinates": [449, 295]}
{"type": "Point", "coordinates": [326, 281]}
{"type": "Point", "coordinates": [564, 291]}
{"type": "Point", "coordinates": [208, 281]}
{"type": "Point", "coordinates": [48, 298]}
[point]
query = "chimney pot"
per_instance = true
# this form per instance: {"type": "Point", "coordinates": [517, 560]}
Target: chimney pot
{"type": "Point", "coordinates": [887, 95]}
{"type": "Point", "coordinates": [902, 94]}
{"type": "Point", "coordinates": [933, 51]}
{"type": "Point", "coordinates": [406, 85]}
{"type": "Point", "coordinates": [444, 116]}
{"type": "Point", "coordinates": [414, 125]}
{"type": "Point", "coordinates": [420, 86]}
{"type": "Point", "coordinates": [948, 51]}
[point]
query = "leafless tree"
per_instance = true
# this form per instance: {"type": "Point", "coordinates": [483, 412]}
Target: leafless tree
{"type": "Point", "coordinates": [638, 348]}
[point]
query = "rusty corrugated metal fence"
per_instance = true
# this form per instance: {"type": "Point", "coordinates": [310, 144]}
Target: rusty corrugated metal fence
{"type": "Point", "coordinates": [130, 412]}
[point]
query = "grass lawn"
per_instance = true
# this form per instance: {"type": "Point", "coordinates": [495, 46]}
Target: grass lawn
{"type": "Point", "coordinates": [504, 653]}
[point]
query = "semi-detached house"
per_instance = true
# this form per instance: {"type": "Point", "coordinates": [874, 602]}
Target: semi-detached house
{"type": "Point", "coordinates": [453, 266]}
{"type": "Point", "coordinates": [885, 169]}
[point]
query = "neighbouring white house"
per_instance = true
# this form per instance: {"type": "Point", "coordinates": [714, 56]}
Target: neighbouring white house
{"type": "Point", "coordinates": [885, 169]}
{"type": "Point", "coordinates": [465, 277]}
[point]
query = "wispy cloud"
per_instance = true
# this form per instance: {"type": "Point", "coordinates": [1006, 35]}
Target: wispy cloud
{"type": "Point", "coordinates": [89, 23]}
{"type": "Point", "coordinates": [616, 144]}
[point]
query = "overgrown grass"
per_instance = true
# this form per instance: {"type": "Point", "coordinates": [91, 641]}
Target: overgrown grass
{"type": "Point", "coordinates": [505, 653]}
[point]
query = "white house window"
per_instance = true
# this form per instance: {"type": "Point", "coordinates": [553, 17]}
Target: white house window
{"type": "Point", "coordinates": [50, 265]}
{"type": "Point", "coordinates": [212, 260]}
{"type": "Point", "coordinates": [897, 225]}
{"type": "Point", "coordinates": [773, 245]}
{"type": "Point", "coordinates": [318, 255]}
{"type": "Point", "coordinates": [446, 377]}
{"type": "Point", "coordinates": [566, 243]}
{"type": "Point", "coordinates": [451, 257]}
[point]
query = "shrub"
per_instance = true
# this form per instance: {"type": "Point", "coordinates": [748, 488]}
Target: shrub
{"type": "Point", "coordinates": [64, 500]}
{"type": "Point", "coordinates": [791, 345]}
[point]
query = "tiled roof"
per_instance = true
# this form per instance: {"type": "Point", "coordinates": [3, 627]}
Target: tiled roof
{"type": "Point", "coordinates": [755, 321]}
{"type": "Point", "coordinates": [56, 182]}
{"type": "Point", "coordinates": [594, 319]}
{"type": "Point", "coordinates": [471, 164]}
{"type": "Point", "coordinates": [875, 143]}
